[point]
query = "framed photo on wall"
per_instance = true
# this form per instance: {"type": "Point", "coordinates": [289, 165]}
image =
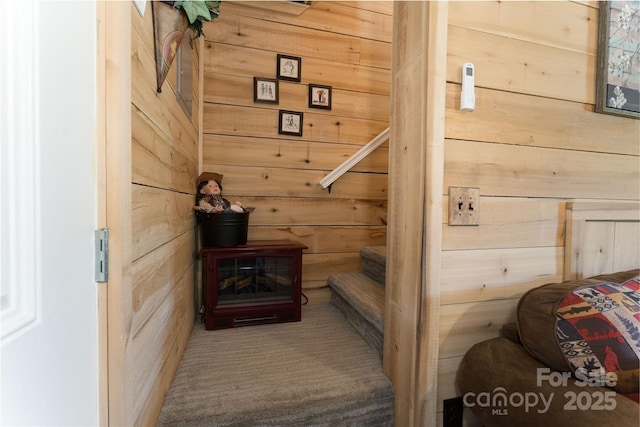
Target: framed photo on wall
{"type": "Point", "coordinates": [290, 123]}
{"type": "Point", "coordinates": [618, 70]}
{"type": "Point", "coordinates": [265, 90]}
{"type": "Point", "coordinates": [289, 67]}
{"type": "Point", "coordinates": [319, 96]}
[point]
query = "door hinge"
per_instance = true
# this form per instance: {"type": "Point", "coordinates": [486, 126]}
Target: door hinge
{"type": "Point", "coordinates": [102, 255]}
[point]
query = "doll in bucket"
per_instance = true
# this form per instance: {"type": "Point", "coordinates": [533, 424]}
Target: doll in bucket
{"type": "Point", "coordinates": [209, 195]}
{"type": "Point", "coordinates": [222, 224]}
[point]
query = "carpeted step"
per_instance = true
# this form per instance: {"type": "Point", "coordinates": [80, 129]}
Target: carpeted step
{"type": "Point", "coordinates": [361, 299]}
{"type": "Point", "coordinates": [316, 372]}
{"type": "Point", "coordinates": [374, 262]}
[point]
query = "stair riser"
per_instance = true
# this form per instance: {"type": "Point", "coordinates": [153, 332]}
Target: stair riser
{"type": "Point", "coordinates": [374, 262]}
{"type": "Point", "coordinates": [374, 270]}
{"type": "Point", "coordinates": [371, 335]}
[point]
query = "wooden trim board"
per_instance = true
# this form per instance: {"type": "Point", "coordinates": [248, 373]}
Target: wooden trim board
{"type": "Point", "coordinates": [601, 237]}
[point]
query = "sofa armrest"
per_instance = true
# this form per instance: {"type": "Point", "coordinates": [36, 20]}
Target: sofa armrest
{"type": "Point", "coordinates": [504, 386]}
{"type": "Point", "coordinates": [510, 332]}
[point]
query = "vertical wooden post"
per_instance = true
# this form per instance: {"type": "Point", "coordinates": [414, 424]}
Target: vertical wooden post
{"type": "Point", "coordinates": [414, 242]}
{"type": "Point", "coordinates": [115, 204]}
{"type": "Point", "coordinates": [101, 178]}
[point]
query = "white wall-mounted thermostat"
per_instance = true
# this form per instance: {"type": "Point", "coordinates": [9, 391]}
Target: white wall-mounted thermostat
{"type": "Point", "coordinates": [468, 96]}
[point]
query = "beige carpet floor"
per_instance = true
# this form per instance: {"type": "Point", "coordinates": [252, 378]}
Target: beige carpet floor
{"type": "Point", "coordinates": [317, 372]}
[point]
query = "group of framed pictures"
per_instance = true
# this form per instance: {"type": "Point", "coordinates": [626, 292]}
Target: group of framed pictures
{"type": "Point", "coordinates": [266, 90]}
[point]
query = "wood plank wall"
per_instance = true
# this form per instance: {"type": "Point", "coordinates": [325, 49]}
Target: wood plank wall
{"type": "Point", "coordinates": [164, 157]}
{"type": "Point", "coordinates": [345, 45]}
{"type": "Point", "coordinates": [532, 143]}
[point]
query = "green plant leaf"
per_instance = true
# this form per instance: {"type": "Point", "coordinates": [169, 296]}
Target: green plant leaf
{"type": "Point", "coordinates": [197, 12]}
{"type": "Point", "coordinates": [196, 8]}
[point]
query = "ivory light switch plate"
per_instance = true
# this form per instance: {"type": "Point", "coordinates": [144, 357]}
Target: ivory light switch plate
{"type": "Point", "coordinates": [464, 206]}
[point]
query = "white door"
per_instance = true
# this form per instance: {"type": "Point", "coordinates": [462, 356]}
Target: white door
{"type": "Point", "coordinates": [49, 353]}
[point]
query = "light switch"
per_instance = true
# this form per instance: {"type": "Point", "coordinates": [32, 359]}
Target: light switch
{"type": "Point", "coordinates": [464, 206]}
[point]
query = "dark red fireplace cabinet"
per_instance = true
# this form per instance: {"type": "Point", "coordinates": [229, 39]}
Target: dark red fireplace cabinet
{"type": "Point", "coordinates": [256, 283]}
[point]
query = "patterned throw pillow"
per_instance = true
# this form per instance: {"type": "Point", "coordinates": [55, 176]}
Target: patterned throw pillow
{"type": "Point", "coordinates": [598, 332]}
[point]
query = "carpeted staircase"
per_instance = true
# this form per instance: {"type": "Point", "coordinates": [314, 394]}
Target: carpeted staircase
{"type": "Point", "coordinates": [317, 372]}
{"type": "Point", "coordinates": [360, 296]}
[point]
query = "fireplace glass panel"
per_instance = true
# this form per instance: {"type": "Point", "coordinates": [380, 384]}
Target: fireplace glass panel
{"type": "Point", "coordinates": [255, 279]}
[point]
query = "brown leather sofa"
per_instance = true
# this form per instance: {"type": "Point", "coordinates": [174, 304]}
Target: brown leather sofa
{"type": "Point", "coordinates": [571, 359]}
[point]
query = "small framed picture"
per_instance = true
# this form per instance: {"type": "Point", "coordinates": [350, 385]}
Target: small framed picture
{"type": "Point", "coordinates": [290, 123]}
{"type": "Point", "coordinates": [617, 73]}
{"type": "Point", "coordinates": [265, 90]}
{"type": "Point", "coordinates": [320, 96]}
{"type": "Point", "coordinates": [289, 67]}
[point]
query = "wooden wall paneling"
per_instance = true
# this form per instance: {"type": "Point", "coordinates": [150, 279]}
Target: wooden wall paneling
{"type": "Point", "coordinates": [342, 19]}
{"type": "Point", "coordinates": [142, 56]}
{"type": "Point", "coordinates": [384, 7]}
{"type": "Point", "coordinates": [507, 170]}
{"type": "Point", "coordinates": [238, 90]}
{"type": "Point", "coordinates": [157, 160]}
{"type": "Point", "coordinates": [155, 275]}
{"type": "Point", "coordinates": [154, 401]}
{"type": "Point", "coordinates": [597, 248]}
{"type": "Point", "coordinates": [603, 210]}
{"type": "Point", "coordinates": [374, 53]}
{"type": "Point", "coordinates": [564, 25]}
{"type": "Point", "coordinates": [447, 369]}
{"type": "Point", "coordinates": [318, 266]}
{"type": "Point", "coordinates": [519, 66]}
{"type": "Point", "coordinates": [196, 90]}
{"type": "Point", "coordinates": [227, 59]}
{"type": "Point", "coordinates": [274, 7]}
{"type": "Point", "coordinates": [367, 21]}
{"type": "Point", "coordinates": [161, 109]}
{"type": "Point", "coordinates": [158, 217]}
{"type": "Point", "coordinates": [143, 27]}
{"type": "Point", "coordinates": [255, 181]}
{"type": "Point", "coordinates": [462, 325]}
{"type": "Point", "coordinates": [516, 118]}
{"type": "Point", "coordinates": [313, 211]}
{"type": "Point", "coordinates": [626, 249]}
{"type": "Point", "coordinates": [283, 153]}
{"type": "Point", "coordinates": [590, 3]}
{"type": "Point", "coordinates": [317, 296]}
{"type": "Point", "coordinates": [492, 274]}
{"type": "Point", "coordinates": [315, 286]}
{"type": "Point", "coordinates": [509, 222]}
{"type": "Point", "coordinates": [324, 238]}
{"type": "Point", "coordinates": [593, 245]}
{"type": "Point", "coordinates": [164, 150]}
{"type": "Point", "coordinates": [297, 41]}
{"type": "Point", "coordinates": [262, 122]}
{"type": "Point", "coordinates": [157, 353]}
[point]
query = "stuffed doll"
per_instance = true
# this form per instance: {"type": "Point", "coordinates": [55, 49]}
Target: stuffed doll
{"type": "Point", "coordinates": [209, 198]}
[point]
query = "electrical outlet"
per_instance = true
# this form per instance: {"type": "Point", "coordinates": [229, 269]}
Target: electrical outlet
{"type": "Point", "coordinates": [452, 412]}
{"type": "Point", "coordinates": [464, 206]}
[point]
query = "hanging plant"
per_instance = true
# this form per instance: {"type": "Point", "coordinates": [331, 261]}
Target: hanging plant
{"type": "Point", "coordinates": [198, 11]}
